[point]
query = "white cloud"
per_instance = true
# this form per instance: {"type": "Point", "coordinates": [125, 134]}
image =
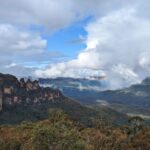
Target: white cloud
{"type": "Point", "coordinates": [52, 14]}
{"type": "Point", "coordinates": [55, 14]}
{"type": "Point", "coordinates": [117, 45]}
{"type": "Point", "coordinates": [21, 47]}
{"type": "Point", "coordinates": [117, 42]}
{"type": "Point", "coordinates": [16, 45]}
{"type": "Point", "coordinates": [13, 40]}
{"type": "Point", "coordinates": [18, 70]}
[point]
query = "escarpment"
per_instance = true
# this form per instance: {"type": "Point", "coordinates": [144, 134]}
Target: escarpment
{"type": "Point", "coordinates": [20, 92]}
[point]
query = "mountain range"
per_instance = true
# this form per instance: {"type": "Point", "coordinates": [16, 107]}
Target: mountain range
{"type": "Point", "coordinates": [134, 100]}
{"type": "Point", "coordinates": [76, 88]}
{"type": "Point", "coordinates": [91, 91]}
{"type": "Point", "coordinates": [25, 100]}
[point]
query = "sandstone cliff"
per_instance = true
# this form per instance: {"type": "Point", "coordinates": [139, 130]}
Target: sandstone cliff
{"type": "Point", "coordinates": [21, 92]}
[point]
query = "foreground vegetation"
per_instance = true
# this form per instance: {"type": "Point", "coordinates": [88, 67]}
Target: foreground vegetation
{"type": "Point", "coordinates": [60, 132]}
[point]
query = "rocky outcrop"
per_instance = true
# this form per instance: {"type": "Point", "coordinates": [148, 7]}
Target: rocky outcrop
{"type": "Point", "coordinates": [20, 92]}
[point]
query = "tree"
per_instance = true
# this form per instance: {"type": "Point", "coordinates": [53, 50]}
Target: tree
{"type": "Point", "coordinates": [136, 124]}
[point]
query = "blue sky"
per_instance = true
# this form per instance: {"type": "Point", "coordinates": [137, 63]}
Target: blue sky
{"type": "Point", "coordinates": [67, 43]}
{"type": "Point", "coordinates": [70, 40]}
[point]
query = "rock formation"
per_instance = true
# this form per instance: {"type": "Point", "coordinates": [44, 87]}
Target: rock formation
{"type": "Point", "coordinates": [18, 92]}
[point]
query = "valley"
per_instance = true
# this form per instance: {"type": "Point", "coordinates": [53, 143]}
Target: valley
{"type": "Point", "coordinates": [132, 101]}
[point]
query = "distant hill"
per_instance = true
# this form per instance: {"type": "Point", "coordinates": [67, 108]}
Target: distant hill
{"type": "Point", "coordinates": [84, 90]}
{"type": "Point", "coordinates": [135, 95]}
{"type": "Point", "coordinates": [91, 91]}
{"type": "Point", "coordinates": [132, 101]}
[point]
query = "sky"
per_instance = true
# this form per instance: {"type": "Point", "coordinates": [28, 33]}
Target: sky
{"type": "Point", "coordinates": [76, 38]}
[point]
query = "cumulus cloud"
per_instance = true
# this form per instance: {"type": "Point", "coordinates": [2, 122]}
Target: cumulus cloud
{"type": "Point", "coordinates": [18, 47]}
{"type": "Point", "coordinates": [18, 70]}
{"type": "Point", "coordinates": [117, 42]}
{"type": "Point", "coordinates": [19, 41]}
{"type": "Point", "coordinates": [117, 45]}
{"type": "Point", "coordinates": [55, 14]}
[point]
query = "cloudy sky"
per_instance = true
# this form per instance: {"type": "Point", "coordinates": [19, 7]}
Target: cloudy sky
{"type": "Point", "coordinates": [76, 38]}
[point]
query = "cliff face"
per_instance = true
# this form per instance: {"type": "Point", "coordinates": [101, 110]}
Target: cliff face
{"type": "Point", "coordinates": [20, 92]}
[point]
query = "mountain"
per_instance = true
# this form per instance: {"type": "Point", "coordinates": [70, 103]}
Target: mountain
{"type": "Point", "coordinates": [84, 90]}
{"type": "Point", "coordinates": [27, 101]}
{"type": "Point", "coordinates": [14, 92]}
{"type": "Point", "coordinates": [135, 95]}
{"type": "Point", "coordinates": [132, 101]}
{"type": "Point", "coordinates": [91, 91]}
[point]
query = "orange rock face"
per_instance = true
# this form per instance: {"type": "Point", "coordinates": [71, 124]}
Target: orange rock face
{"type": "Point", "coordinates": [8, 90]}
